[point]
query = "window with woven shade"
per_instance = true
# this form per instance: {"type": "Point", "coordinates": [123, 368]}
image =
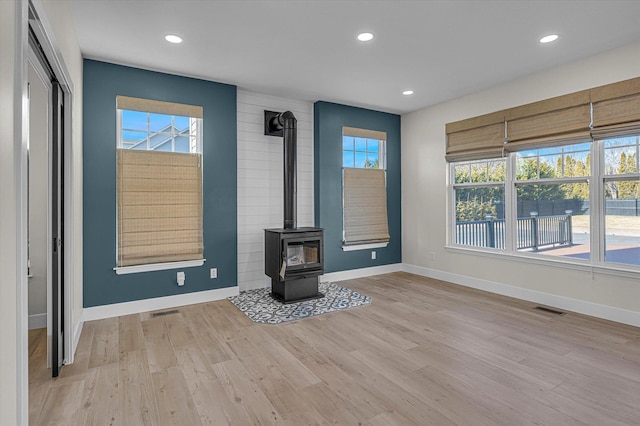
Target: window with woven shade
{"type": "Point", "coordinates": [159, 183]}
{"type": "Point", "coordinates": [365, 220]}
{"type": "Point", "coordinates": [556, 177]}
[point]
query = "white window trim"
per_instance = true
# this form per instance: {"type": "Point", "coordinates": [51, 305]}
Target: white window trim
{"type": "Point", "coordinates": [382, 164]}
{"type": "Point", "coordinates": [596, 180]}
{"type": "Point", "coordinates": [123, 270]}
{"type": "Point", "coordinates": [382, 153]}
{"type": "Point", "coordinates": [356, 247]}
{"type": "Point", "coordinates": [609, 268]}
{"type": "Point", "coordinates": [193, 122]}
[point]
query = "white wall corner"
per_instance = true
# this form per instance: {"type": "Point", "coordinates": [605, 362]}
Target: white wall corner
{"type": "Point", "coordinates": [561, 302]}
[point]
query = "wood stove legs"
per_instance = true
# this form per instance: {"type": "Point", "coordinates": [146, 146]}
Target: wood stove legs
{"type": "Point", "coordinates": [295, 290]}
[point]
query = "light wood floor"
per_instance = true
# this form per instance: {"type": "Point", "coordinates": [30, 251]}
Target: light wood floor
{"type": "Point", "coordinates": [423, 353]}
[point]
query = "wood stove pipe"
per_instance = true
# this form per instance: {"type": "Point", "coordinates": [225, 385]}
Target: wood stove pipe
{"type": "Point", "coordinates": [285, 124]}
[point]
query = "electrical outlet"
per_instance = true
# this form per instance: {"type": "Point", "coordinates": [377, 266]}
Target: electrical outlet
{"type": "Point", "coordinates": [433, 255]}
{"type": "Point", "coordinates": [373, 254]}
{"type": "Point", "coordinates": [213, 273]}
{"type": "Point", "coordinates": [180, 278]}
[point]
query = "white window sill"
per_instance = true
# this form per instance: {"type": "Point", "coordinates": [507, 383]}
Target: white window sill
{"type": "Point", "coordinates": [364, 246]}
{"type": "Point", "coordinates": [158, 266]}
{"type": "Point", "coordinates": [620, 270]}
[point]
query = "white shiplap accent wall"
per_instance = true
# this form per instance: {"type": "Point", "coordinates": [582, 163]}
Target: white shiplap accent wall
{"type": "Point", "coordinates": [260, 179]}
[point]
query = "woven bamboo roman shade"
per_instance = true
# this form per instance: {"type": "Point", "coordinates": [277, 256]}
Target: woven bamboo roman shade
{"type": "Point", "coordinates": [537, 124]}
{"type": "Point", "coordinates": [159, 207]}
{"type": "Point", "coordinates": [616, 107]}
{"type": "Point", "coordinates": [365, 206]}
{"type": "Point", "coordinates": [605, 110]}
{"type": "Point", "coordinates": [158, 107]}
{"type": "Point", "coordinates": [476, 138]}
{"type": "Point", "coordinates": [364, 133]}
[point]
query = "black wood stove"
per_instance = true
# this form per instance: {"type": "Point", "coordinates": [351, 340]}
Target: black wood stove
{"type": "Point", "coordinates": [293, 257]}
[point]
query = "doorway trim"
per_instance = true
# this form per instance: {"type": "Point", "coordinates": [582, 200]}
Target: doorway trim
{"type": "Point", "coordinates": [44, 34]}
{"type": "Point", "coordinates": [35, 62]}
{"type": "Point", "coordinates": [15, 209]}
{"type": "Point", "coordinates": [18, 204]}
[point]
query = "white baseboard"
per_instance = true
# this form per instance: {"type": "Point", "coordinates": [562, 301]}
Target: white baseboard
{"type": "Point", "coordinates": [37, 321]}
{"type": "Point", "coordinates": [138, 306]}
{"type": "Point", "coordinates": [76, 339]}
{"type": "Point", "coordinates": [575, 305]}
{"type": "Point", "coordinates": [361, 273]}
{"type": "Point", "coordinates": [333, 276]}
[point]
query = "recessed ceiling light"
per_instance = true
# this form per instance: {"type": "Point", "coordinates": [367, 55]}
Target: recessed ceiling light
{"type": "Point", "coordinates": [172, 38]}
{"type": "Point", "coordinates": [365, 36]}
{"type": "Point", "coordinates": [549, 38]}
{"type": "Point", "coordinates": [407, 92]}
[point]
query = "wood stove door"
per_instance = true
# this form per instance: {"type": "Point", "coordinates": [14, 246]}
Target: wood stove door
{"type": "Point", "coordinates": [302, 254]}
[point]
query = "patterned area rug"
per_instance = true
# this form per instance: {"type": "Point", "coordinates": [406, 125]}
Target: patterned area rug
{"type": "Point", "coordinates": [259, 306]}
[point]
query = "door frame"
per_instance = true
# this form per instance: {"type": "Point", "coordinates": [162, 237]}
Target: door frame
{"type": "Point", "coordinates": [44, 35]}
{"type": "Point", "coordinates": [34, 60]}
{"type": "Point", "coordinates": [14, 127]}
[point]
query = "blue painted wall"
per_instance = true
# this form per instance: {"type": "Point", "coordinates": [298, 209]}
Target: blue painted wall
{"type": "Point", "coordinates": [102, 82]}
{"type": "Point", "coordinates": [329, 118]}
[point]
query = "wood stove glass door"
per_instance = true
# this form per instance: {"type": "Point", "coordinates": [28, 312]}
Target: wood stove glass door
{"type": "Point", "coordinates": [302, 254]}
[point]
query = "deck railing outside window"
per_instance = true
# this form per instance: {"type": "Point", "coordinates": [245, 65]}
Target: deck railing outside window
{"type": "Point", "coordinates": [532, 232]}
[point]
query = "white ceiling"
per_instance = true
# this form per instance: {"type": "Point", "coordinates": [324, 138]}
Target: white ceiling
{"type": "Point", "coordinates": [307, 49]}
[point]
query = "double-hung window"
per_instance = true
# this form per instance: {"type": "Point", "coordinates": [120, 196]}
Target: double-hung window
{"type": "Point", "coordinates": [364, 197]}
{"type": "Point", "coordinates": [159, 185]}
{"type": "Point", "coordinates": [559, 177]}
{"type": "Point", "coordinates": [479, 202]}
{"type": "Point", "coordinates": [621, 193]}
{"type": "Point", "coordinates": [552, 200]}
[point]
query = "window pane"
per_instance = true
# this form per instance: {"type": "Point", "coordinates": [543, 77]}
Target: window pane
{"type": "Point", "coordinates": [557, 162]}
{"type": "Point", "coordinates": [532, 168]}
{"type": "Point", "coordinates": [348, 159]}
{"type": "Point", "coordinates": [361, 144]}
{"type": "Point", "coordinates": [347, 142]}
{"type": "Point", "coordinates": [618, 161]}
{"type": "Point", "coordinates": [578, 147]}
{"type": "Point", "coordinates": [134, 120]}
{"type": "Point", "coordinates": [497, 170]}
{"type": "Point", "coordinates": [462, 173]}
{"type": "Point", "coordinates": [182, 144]}
{"type": "Point", "coordinates": [480, 217]}
{"type": "Point", "coordinates": [554, 150]}
{"type": "Point", "coordinates": [159, 122]}
{"type": "Point", "coordinates": [622, 223]}
{"type": "Point", "coordinates": [553, 219]}
{"type": "Point", "coordinates": [372, 145]}
{"type": "Point", "coordinates": [181, 124]}
{"type": "Point", "coordinates": [526, 168]}
{"type": "Point", "coordinates": [361, 158]}
{"type": "Point", "coordinates": [479, 172]}
{"type": "Point", "coordinates": [632, 140]}
{"type": "Point", "coordinates": [372, 161]}
{"type": "Point", "coordinates": [551, 162]}
{"type": "Point", "coordinates": [577, 164]}
{"type": "Point", "coordinates": [134, 140]}
{"type": "Point", "coordinates": [157, 139]}
{"type": "Point", "coordinates": [164, 147]}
